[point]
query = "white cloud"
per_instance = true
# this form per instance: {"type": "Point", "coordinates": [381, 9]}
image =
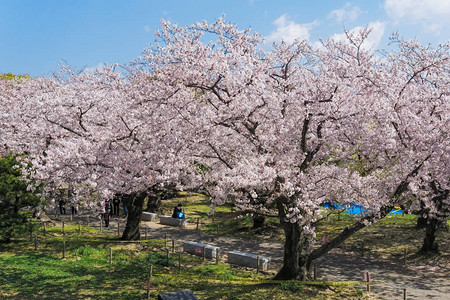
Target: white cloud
{"type": "Point", "coordinates": [347, 13]}
{"type": "Point", "coordinates": [373, 39]}
{"type": "Point", "coordinates": [416, 10]}
{"type": "Point", "coordinates": [147, 28]}
{"type": "Point", "coordinates": [433, 15]}
{"type": "Point", "coordinates": [289, 31]}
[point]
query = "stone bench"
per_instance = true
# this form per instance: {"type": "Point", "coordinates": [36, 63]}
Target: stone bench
{"type": "Point", "coordinates": [180, 295]}
{"type": "Point", "coordinates": [168, 220]}
{"type": "Point", "coordinates": [248, 260]}
{"type": "Point", "coordinates": [148, 216]}
{"type": "Point", "coordinates": [197, 248]}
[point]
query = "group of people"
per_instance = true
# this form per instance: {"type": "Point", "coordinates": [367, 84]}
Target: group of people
{"type": "Point", "coordinates": [62, 207]}
{"type": "Point", "coordinates": [112, 208]}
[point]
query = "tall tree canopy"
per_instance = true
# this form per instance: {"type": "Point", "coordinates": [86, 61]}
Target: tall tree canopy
{"type": "Point", "coordinates": [275, 132]}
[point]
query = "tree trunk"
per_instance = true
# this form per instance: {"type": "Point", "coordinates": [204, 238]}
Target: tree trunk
{"type": "Point", "coordinates": [153, 203]}
{"type": "Point", "coordinates": [429, 245]}
{"type": "Point", "coordinates": [296, 260]}
{"type": "Point", "coordinates": [258, 221]}
{"type": "Point", "coordinates": [291, 268]}
{"type": "Point", "coordinates": [134, 203]}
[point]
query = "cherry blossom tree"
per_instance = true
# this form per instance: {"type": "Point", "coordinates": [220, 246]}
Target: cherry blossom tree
{"type": "Point", "coordinates": [274, 132]}
{"type": "Point", "coordinates": [91, 131]}
{"type": "Point", "coordinates": [298, 125]}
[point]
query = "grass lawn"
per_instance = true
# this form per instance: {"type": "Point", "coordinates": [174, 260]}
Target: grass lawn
{"type": "Point", "coordinates": [85, 272]}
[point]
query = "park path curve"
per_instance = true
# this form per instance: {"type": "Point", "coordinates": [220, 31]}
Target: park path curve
{"type": "Point", "coordinates": [420, 282]}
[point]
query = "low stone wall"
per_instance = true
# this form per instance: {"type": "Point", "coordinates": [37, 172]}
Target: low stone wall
{"type": "Point", "coordinates": [197, 248]}
{"type": "Point", "coordinates": [148, 216]}
{"type": "Point", "coordinates": [168, 220]}
{"type": "Point", "coordinates": [248, 260]}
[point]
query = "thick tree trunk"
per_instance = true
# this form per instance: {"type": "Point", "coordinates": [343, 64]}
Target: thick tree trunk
{"type": "Point", "coordinates": [258, 221]}
{"type": "Point", "coordinates": [134, 203]}
{"type": "Point", "coordinates": [421, 222]}
{"type": "Point", "coordinates": [429, 245]}
{"type": "Point", "coordinates": [153, 203]}
{"type": "Point", "coordinates": [296, 260]}
{"type": "Point", "coordinates": [290, 269]}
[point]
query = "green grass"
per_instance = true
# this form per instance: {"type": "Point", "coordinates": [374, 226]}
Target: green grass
{"type": "Point", "coordinates": [85, 271]}
{"type": "Point", "coordinates": [388, 238]}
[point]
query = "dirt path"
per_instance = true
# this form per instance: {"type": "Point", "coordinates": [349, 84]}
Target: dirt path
{"type": "Point", "coordinates": [420, 282]}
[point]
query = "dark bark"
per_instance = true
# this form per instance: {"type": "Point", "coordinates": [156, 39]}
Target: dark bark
{"type": "Point", "coordinates": [298, 255]}
{"type": "Point", "coordinates": [429, 244]}
{"type": "Point", "coordinates": [291, 267]}
{"type": "Point", "coordinates": [153, 203]}
{"type": "Point", "coordinates": [134, 203]}
{"type": "Point", "coordinates": [421, 222]}
{"type": "Point", "coordinates": [296, 262]}
{"type": "Point", "coordinates": [258, 221]}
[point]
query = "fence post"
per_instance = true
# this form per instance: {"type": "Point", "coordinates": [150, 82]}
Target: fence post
{"type": "Point", "coordinates": [165, 240]}
{"type": "Point", "coordinates": [198, 220]}
{"type": "Point", "coordinates": [368, 280]}
{"type": "Point", "coordinates": [35, 242]}
{"type": "Point", "coordinates": [404, 294]}
{"type": "Point", "coordinates": [257, 264]}
{"type": "Point", "coordinates": [110, 255]}
{"type": "Point", "coordinates": [179, 261]}
{"type": "Point", "coordinates": [167, 255]}
{"type": "Point", "coordinates": [63, 227]}
{"type": "Point", "coordinates": [148, 282]}
{"type": "Point", "coordinates": [217, 256]}
{"type": "Point", "coordinates": [173, 245]}
{"type": "Point", "coordinates": [204, 252]}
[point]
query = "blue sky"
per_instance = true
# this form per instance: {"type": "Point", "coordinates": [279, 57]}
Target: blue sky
{"type": "Point", "coordinates": [36, 35]}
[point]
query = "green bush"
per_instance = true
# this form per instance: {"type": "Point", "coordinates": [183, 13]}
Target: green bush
{"type": "Point", "coordinates": [17, 200]}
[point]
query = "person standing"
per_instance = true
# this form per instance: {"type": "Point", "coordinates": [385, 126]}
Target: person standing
{"type": "Point", "coordinates": [116, 203]}
{"type": "Point", "coordinates": [62, 206]}
{"type": "Point", "coordinates": [108, 212]}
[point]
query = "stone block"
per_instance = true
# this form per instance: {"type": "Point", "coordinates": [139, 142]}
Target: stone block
{"type": "Point", "coordinates": [180, 295]}
{"type": "Point", "coordinates": [197, 249]}
{"type": "Point", "coordinates": [248, 260]}
{"type": "Point", "coordinates": [168, 220]}
{"type": "Point", "coordinates": [148, 216]}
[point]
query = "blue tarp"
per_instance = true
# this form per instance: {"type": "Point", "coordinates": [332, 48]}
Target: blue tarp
{"type": "Point", "coordinates": [357, 209]}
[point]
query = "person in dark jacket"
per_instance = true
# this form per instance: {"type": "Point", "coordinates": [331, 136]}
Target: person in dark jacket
{"type": "Point", "coordinates": [116, 203]}
{"type": "Point", "coordinates": [178, 212]}
{"type": "Point", "coordinates": [62, 206]}
{"type": "Point", "coordinates": [108, 212]}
